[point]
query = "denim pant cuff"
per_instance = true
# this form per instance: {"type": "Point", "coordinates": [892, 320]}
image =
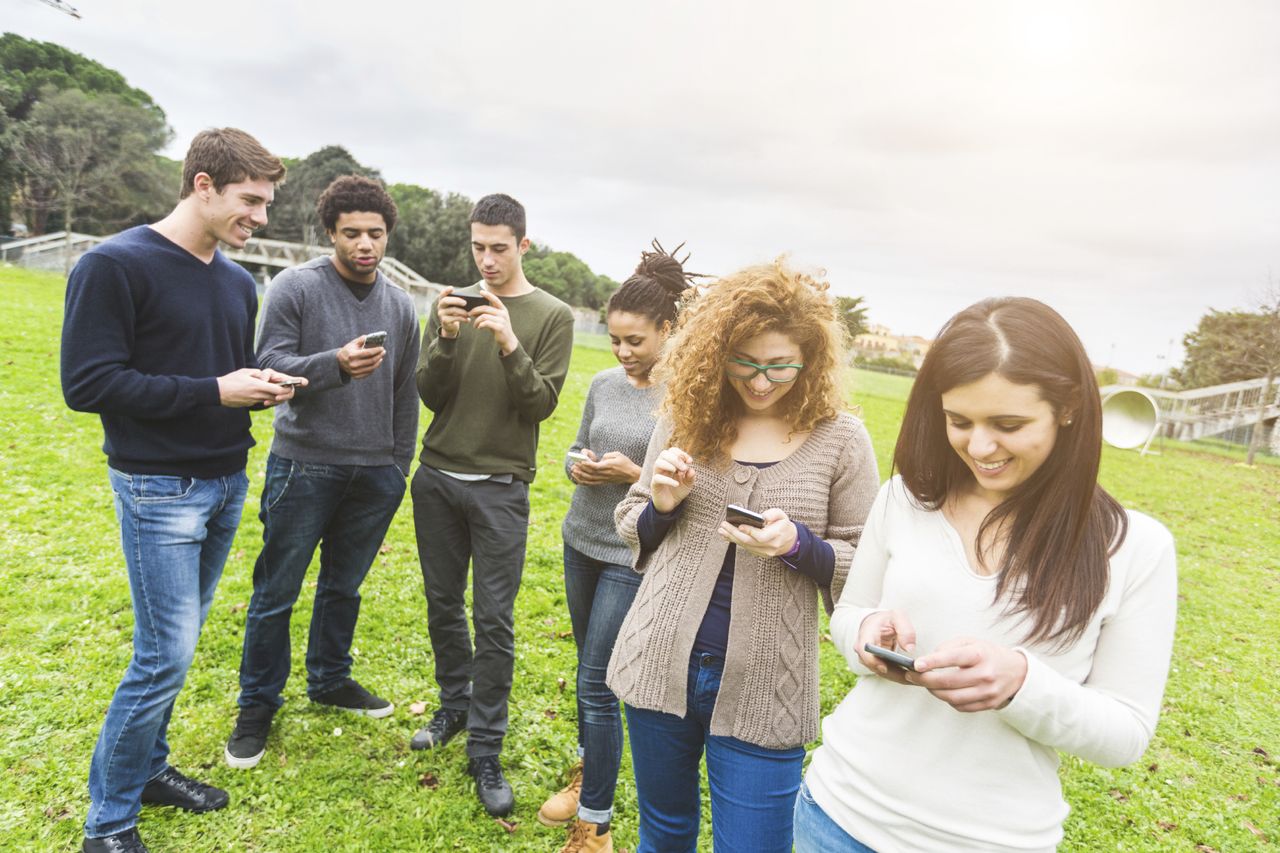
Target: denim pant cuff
{"type": "Point", "coordinates": [594, 815]}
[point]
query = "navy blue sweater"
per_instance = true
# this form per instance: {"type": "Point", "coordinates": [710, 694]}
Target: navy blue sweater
{"type": "Point", "coordinates": [148, 330]}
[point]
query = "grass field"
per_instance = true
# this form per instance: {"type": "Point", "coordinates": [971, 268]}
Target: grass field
{"type": "Point", "coordinates": [1210, 781]}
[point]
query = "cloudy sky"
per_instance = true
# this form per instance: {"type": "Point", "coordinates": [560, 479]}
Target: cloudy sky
{"type": "Point", "coordinates": [1120, 161]}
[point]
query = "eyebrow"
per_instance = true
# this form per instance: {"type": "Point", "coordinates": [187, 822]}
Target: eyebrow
{"type": "Point", "coordinates": [991, 418]}
{"type": "Point", "coordinates": [786, 359]}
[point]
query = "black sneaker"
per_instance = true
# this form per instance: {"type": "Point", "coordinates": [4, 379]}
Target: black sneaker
{"type": "Point", "coordinates": [491, 786]}
{"type": "Point", "coordinates": [248, 739]}
{"type": "Point", "coordinates": [171, 788]}
{"type": "Point", "coordinates": [444, 725]}
{"type": "Point", "coordinates": [354, 698]}
{"type": "Point", "coordinates": [122, 842]}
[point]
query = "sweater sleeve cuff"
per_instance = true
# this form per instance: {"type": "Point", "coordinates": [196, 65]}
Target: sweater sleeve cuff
{"type": "Point", "coordinates": [207, 393]}
{"type": "Point", "coordinates": [652, 526]}
{"type": "Point", "coordinates": [814, 558]}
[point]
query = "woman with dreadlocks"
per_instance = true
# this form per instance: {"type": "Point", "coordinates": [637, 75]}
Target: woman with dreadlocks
{"type": "Point", "coordinates": [617, 421]}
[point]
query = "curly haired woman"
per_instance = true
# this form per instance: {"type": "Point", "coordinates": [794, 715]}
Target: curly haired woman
{"type": "Point", "coordinates": [719, 652]}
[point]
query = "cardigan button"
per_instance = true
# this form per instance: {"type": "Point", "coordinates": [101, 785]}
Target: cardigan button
{"type": "Point", "coordinates": [742, 476]}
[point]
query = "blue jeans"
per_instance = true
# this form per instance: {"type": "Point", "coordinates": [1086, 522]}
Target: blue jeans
{"type": "Point", "coordinates": [176, 533]}
{"type": "Point", "coordinates": [816, 832]}
{"type": "Point", "coordinates": [345, 510]}
{"type": "Point", "coordinates": [599, 595]}
{"type": "Point", "coordinates": [753, 789]}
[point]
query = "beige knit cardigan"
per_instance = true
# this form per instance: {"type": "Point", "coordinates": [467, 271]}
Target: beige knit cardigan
{"type": "Point", "coordinates": [769, 689]}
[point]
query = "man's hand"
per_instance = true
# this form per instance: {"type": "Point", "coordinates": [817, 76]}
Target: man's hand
{"type": "Point", "coordinates": [774, 539]}
{"type": "Point", "coordinates": [358, 362]}
{"type": "Point", "coordinates": [249, 387]}
{"type": "Point", "coordinates": [494, 318]}
{"type": "Point", "coordinates": [451, 312]}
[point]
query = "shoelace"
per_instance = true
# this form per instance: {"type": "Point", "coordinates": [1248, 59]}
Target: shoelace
{"type": "Point", "coordinates": [578, 838]}
{"type": "Point", "coordinates": [185, 784]}
{"type": "Point", "coordinates": [490, 773]}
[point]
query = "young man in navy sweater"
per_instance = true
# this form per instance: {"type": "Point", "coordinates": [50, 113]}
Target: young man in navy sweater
{"type": "Point", "coordinates": [157, 339]}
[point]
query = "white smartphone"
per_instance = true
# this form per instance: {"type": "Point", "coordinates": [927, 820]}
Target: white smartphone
{"type": "Point", "coordinates": [578, 456]}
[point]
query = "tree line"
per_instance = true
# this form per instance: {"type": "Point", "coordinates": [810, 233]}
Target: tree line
{"type": "Point", "coordinates": [80, 149]}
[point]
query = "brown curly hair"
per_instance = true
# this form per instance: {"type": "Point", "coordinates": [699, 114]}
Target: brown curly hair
{"type": "Point", "coordinates": [701, 406]}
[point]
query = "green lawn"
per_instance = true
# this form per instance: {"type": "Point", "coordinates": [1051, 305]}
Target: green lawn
{"type": "Point", "coordinates": [336, 782]}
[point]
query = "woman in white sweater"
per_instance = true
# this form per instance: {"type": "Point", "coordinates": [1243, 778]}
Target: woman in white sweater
{"type": "Point", "coordinates": [1039, 613]}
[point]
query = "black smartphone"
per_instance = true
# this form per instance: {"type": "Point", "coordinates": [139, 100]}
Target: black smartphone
{"type": "Point", "coordinates": [736, 515]}
{"type": "Point", "coordinates": [374, 339]}
{"type": "Point", "coordinates": [472, 300]}
{"type": "Point", "coordinates": [896, 658]}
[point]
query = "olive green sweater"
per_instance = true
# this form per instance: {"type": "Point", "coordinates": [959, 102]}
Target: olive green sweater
{"type": "Point", "coordinates": [487, 408]}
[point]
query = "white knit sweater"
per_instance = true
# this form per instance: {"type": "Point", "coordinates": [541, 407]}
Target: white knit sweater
{"type": "Point", "coordinates": [902, 771]}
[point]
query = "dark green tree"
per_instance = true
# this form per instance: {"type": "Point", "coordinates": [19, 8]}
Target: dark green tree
{"type": "Point", "coordinates": [76, 151]}
{"type": "Point", "coordinates": [565, 276]}
{"type": "Point", "coordinates": [28, 68]}
{"type": "Point", "coordinates": [432, 236]}
{"type": "Point", "coordinates": [293, 215]}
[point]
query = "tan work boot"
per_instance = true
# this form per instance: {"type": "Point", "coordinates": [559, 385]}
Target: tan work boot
{"type": "Point", "coordinates": [562, 806]}
{"type": "Point", "coordinates": [588, 837]}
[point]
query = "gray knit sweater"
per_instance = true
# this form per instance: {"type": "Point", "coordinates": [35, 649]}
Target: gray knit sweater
{"type": "Point", "coordinates": [617, 417]}
{"type": "Point", "coordinates": [769, 690]}
{"type": "Point", "coordinates": [308, 316]}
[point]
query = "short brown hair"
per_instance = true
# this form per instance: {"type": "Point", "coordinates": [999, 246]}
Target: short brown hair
{"type": "Point", "coordinates": [228, 155]}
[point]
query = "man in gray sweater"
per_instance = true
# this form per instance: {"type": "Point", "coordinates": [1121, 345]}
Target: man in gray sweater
{"type": "Point", "coordinates": [336, 472]}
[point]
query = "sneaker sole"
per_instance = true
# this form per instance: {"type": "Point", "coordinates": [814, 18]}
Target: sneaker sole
{"type": "Point", "coordinates": [242, 763]}
{"type": "Point", "coordinates": [373, 713]}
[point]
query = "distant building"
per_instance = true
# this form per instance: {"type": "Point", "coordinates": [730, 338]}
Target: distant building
{"type": "Point", "coordinates": [880, 342]}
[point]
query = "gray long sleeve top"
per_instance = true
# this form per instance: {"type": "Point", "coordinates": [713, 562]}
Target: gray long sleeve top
{"type": "Point", "coordinates": [617, 416]}
{"type": "Point", "coordinates": [309, 314]}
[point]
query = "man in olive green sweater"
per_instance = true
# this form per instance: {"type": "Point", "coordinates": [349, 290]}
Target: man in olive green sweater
{"type": "Point", "coordinates": [490, 371]}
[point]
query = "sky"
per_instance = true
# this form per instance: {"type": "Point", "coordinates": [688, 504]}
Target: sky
{"type": "Point", "coordinates": [1120, 161]}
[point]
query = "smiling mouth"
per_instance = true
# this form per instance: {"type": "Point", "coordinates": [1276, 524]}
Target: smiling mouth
{"type": "Point", "coordinates": [992, 467]}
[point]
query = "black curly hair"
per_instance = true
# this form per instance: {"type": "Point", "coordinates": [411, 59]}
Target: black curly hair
{"type": "Point", "coordinates": [352, 193]}
{"type": "Point", "coordinates": [656, 288]}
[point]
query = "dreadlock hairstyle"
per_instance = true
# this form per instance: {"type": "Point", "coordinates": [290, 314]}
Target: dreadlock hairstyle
{"type": "Point", "coordinates": [656, 288]}
{"type": "Point", "coordinates": [1059, 527]}
{"type": "Point", "coordinates": [700, 404]}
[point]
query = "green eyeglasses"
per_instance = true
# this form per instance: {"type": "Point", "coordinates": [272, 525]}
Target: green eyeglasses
{"type": "Point", "coordinates": [747, 370]}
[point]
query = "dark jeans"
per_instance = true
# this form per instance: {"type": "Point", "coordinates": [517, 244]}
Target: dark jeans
{"type": "Point", "coordinates": [753, 789]}
{"type": "Point", "coordinates": [346, 510]}
{"type": "Point", "coordinates": [176, 533]}
{"type": "Point", "coordinates": [599, 595]}
{"type": "Point", "coordinates": [484, 522]}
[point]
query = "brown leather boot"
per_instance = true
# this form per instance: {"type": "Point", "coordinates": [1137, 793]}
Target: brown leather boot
{"type": "Point", "coordinates": [562, 806]}
{"type": "Point", "coordinates": [587, 837]}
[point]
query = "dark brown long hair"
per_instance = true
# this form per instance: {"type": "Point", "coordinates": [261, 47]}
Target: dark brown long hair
{"type": "Point", "coordinates": [1061, 527]}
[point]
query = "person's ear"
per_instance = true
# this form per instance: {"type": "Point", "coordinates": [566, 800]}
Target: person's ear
{"type": "Point", "coordinates": [202, 185]}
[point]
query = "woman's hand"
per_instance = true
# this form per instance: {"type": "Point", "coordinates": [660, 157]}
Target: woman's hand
{"type": "Point", "coordinates": [971, 675]}
{"type": "Point", "coordinates": [777, 537]}
{"type": "Point", "coordinates": [886, 629]}
{"type": "Point", "coordinates": [673, 477]}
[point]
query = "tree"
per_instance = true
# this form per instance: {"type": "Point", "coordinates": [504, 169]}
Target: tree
{"type": "Point", "coordinates": [293, 215]}
{"type": "Point", "coordinates": [853, 314]}
{"type": "Point", "coordinates": [76, 150]}
{"type": "Point", "coordinates": [565, 276]}
{"type": "Point", "coordinates": [1232, 346]}
{"type": "Point", "coordinates": [432, 234]}
{"type": "Point", "coordinates": [28, 68]}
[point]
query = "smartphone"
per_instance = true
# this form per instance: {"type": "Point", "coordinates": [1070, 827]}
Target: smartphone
{"type": "Point", "coordinates": [736, 515]}
{"type": "Point", "coordinates": [374, 339]}
{"type": "Point", "coordinates": [897, 659]}
{"type": "Point", "coordinates": [472, 300]}
{"type": "Point", "coordinates": [578, 456]}
{"type": "Point", "coordinates": [289, 383]}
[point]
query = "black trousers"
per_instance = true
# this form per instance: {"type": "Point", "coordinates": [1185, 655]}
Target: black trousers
{"type": "Point", "coordinates": [486, 523]}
